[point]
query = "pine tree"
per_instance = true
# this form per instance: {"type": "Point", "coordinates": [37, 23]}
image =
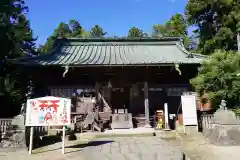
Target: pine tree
{"type": "Point", "coordinates": [16, 40]}
{"type": "Point", "coordinates": [97, 31]}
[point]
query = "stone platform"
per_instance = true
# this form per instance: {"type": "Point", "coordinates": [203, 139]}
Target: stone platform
{"type": "Point", "coordinates": [119, 133]}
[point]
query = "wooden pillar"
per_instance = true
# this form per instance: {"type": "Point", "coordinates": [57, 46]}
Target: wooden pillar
{"type": "Point", "coordinates": [97, 87]}
{"type": "Point", "coordinates": [146, 103]}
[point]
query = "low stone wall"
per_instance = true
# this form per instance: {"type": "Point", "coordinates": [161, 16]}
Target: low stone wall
{"type": "Point", "coordinates": [222, 128]}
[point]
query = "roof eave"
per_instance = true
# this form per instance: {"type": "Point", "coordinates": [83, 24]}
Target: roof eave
{"type": "Point", "coordinates": [110, 65]}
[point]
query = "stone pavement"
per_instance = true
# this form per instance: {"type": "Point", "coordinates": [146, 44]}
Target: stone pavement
{"type": "Point", "coordinates": [119, 148]}
{"type": "Point", "coordinates": [196, 147]}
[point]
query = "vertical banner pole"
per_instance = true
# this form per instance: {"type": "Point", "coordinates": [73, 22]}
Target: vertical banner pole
{"type": "Point", "coordinates": [63, 140]}
{"type": "Point", "coordinates": [31, 140]}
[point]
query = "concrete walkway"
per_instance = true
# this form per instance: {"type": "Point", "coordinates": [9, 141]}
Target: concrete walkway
{"type": "Point", "coordinates": [119, 148]}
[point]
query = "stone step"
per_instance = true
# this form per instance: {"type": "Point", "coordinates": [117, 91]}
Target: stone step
{"type": "Point", "coordinates": [166, 134]}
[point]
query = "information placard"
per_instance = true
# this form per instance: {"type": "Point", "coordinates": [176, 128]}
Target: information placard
{"type": "Point", "coordinates": [48, 111]}
{"type": "Point", "coordinates": [189, 110]}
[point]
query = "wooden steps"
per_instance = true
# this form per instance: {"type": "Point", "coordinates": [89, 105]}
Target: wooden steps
{"type": "Point", "coordinates": [96, 127]}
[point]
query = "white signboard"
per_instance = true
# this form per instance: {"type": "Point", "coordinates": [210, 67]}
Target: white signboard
{"type": "Point", "coordinates": [48, 111]}
{"type": "Point", "coordinates": [189, 110]}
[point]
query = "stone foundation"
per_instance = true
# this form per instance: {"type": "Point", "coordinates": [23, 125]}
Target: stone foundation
{"type": "Point", "coordinates": [224, 135]}
{"type": "Point", "coordinates": [14, 139]}
{"type": "Point", "coordinates": [224, 130]}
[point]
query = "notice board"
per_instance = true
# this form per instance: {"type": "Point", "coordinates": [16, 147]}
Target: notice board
{"type": "Point", "coordinates": [48, 111]}
{"type": "Point", "coordinates": [189, 110]}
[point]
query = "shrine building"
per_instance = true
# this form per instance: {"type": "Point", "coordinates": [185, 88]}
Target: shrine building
{"type": "Point", "coordinates": [134, 75]}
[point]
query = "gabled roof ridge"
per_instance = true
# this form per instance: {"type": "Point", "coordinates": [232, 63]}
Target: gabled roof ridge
{"type": "Point", "coordinates": [120, 39]}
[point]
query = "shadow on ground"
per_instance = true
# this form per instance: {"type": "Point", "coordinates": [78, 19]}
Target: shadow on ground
{"type": "Point", "coordinates": [90, 144]}
{"type": "Point", "coordinates": [77, 146]}
{"type": "Point", "coordinates": [45, 141]}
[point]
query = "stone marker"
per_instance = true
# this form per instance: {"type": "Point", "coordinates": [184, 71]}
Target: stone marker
{"type": "Point", "coordinates": [224, 116]}
{"type": "Point", "coordinates": [15, 137]}
{"type": "Point", "coordinates": [225, 129]}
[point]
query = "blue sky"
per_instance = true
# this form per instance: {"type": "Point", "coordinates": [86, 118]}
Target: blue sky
{"type": "Point", "coordinates": [114, 16]}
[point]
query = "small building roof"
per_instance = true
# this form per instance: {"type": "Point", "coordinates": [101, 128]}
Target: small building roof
{"type": "Point", "coordinates": [115, 52]}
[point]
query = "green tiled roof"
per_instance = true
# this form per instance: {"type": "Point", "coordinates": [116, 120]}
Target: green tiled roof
{"type": "Point", "coordinates": [115, 52]}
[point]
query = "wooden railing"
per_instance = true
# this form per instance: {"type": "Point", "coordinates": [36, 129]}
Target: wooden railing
{"type": "Point", "coordinates": [5, 124]}
{"type": "Point", "coordinates": [104, 102]}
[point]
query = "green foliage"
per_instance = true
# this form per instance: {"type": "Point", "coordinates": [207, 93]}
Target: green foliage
{"type": "Point", "coordinates": [15, 32]}
{"type": "Point", "coordinates": [216, 21]}
{"type": "Point", "coordinates": [17, 37]}
{"type": "Point", "coordinates": [71, 30]}
{"type": "Point", "coordinates": [24, 36]}
{"type": "Point", "coordinates": [136, 32]}
{"type": "Point", "coordinates": [10, 90]}
{"type": "Point", "coordinates": [76, 28]}
{"type": "Point", "coordinates": [176, 26]}
{"type": "Point", "coordinates": [97, 31]}
{"type": "Point", "coordinates": [46, 48]}
{"type": "Point", "coordinates": [219, 78]}
{"type": "Point", "coordinates": [62, 31]}
{"type": "Point", "coordinates": [236, 110]}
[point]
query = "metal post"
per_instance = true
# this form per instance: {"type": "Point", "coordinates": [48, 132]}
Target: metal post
{"type": "Point", "coordinates": [63, 140]}
{"type": "Point", "coordinates": [31, 141]}
{"type": "Point", "coordinates": [166, 116]}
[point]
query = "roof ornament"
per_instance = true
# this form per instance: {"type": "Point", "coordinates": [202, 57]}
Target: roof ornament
{"type": "Point", "coordinates": [66, 71]}
{"type": "Point", "coordinates": [177, 69]}
{"type": "Point", "coordinates": [109, 84]}
{"type": "Point", "coordinates": [181, 42]}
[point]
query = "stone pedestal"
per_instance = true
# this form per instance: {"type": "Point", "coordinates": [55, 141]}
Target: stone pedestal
{"type": "Point", "coordinates": [225, 129]}
{"type": "Point", "coordinates": [147, 126]}
{"type": "Point", "coordinates": [14, 139]}
{"type": "Point", "coordinates": [225, 117]}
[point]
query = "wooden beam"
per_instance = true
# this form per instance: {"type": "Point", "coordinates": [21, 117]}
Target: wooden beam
{"type": "Point", "coordinates": [146, 103]}
{"type": "Point", "coordinates": [97, 87]}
